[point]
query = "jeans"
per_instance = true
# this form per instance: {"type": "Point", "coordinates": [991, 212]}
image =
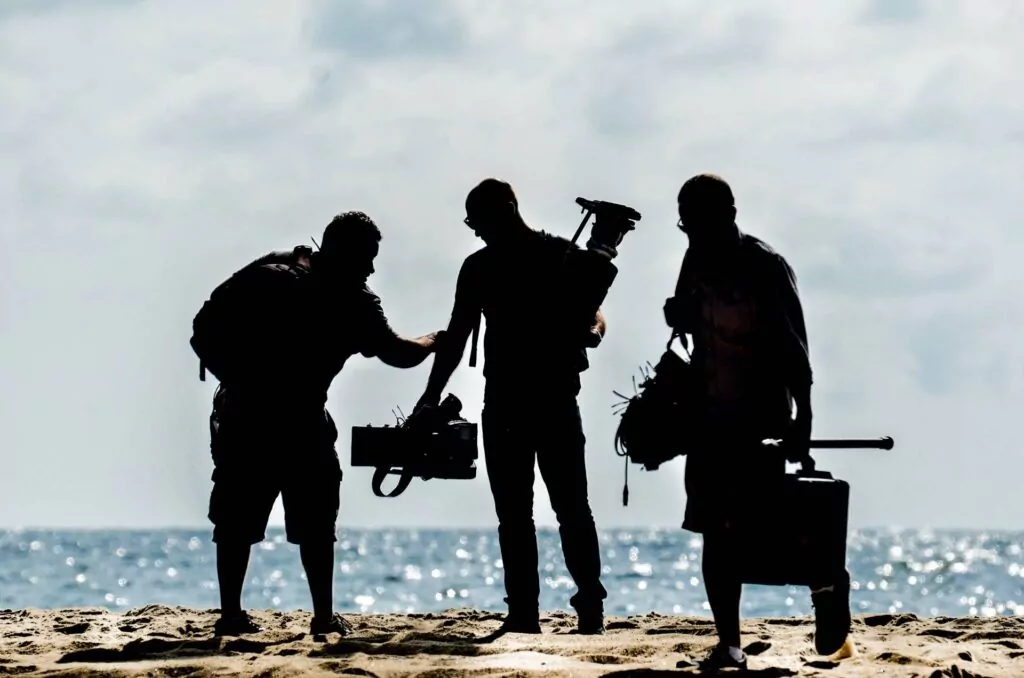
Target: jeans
{"type": "Point", "coordinates": [520, 432]}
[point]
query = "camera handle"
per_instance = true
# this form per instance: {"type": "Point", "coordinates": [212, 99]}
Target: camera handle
{"type": "Point", "coordinates": [381, 473]}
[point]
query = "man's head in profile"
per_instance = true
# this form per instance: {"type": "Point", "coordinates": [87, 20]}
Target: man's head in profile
{"type": "Point", "coordinates": [492, 211]}
{"type": "Point", "coordinates": [707, 212]}
{"type": "Point", "coordinates": [351, 242]}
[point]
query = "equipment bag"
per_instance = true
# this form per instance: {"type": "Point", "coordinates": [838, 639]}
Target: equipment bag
{"type": "Point", "coordinates": [655, 423]}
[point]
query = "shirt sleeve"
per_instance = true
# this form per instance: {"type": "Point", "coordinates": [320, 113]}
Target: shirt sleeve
{"type": "Point", "coordinates": [377, 331]}
{"type": "Point", "coordinates": [795, 347]}
{"type": "Point", "coordinates": [468, 296]}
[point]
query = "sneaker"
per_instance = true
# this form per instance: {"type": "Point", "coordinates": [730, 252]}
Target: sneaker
{"type": "Point", "coordinates": [720, 657]}
{"type": "Point", "coordinates": [520, 623]}
{"type": "Point", "coordinates": [333, 624]}
{"type": "Point", "coordinates": [590, 626]}
{"type": "Point", "coordinates": [590, 622]}
{"type": "Point", "coordinates": [832, 619]}
{"type": "Point", "coordinates": [237, 624]}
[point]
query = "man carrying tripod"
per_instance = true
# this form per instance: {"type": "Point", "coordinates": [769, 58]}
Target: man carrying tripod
{"type": "Point", "coordinates": [275, 335]}
{"type": "Point", "coordinates": [738, 300]}
{"type": "Point", "coordinates": [538, 294]}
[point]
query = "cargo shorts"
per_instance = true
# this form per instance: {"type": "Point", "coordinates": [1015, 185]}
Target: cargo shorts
{"type": "Point", "coordinates": [266, 450]}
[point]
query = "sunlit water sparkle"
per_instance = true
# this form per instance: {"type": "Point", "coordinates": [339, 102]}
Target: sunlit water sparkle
{"type": "Point", "coordinates": [952, 573]}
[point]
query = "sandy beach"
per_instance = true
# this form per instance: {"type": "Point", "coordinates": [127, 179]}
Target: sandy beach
{"type": "Point", "coordinates": [168, 641]}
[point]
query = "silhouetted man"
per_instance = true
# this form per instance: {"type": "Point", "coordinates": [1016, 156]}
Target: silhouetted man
{"type": "Point", "coordinates": [738, 300]}
{"type": "Point", "coordinates": [275, 335]}
{"type": "Point", "coordinates": [538, 327]}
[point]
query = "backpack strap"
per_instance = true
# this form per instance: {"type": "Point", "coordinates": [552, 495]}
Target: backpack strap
{"type": "Point", "coordinates": [475, 340]}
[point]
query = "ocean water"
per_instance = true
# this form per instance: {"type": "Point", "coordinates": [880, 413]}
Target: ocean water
{"type": "Point", "coordinates": [951, 573]}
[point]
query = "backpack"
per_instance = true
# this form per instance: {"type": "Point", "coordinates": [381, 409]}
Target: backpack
{"type": "Point", "coordinates": [220, 330]}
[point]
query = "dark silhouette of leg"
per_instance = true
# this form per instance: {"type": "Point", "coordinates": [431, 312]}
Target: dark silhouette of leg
{"type": "Point", "coordinates": [312, 497]}
{"type": "Point", "coordinates": [832, 619]}
{"type": "Point", "coordinates": [562, 462]}
{"type": "Point", "coordinates": [510, 462]}
{"type": "Point", "coordinates": [240, 504]}
{"type": "Point", "coordinates": [232, 564]}
{"type": "Point", "coordinates": [240, 507]}
{"type": "Point", "coordinates": [723, 587]}
{"type": "Point", "coordinates": [318, 561]}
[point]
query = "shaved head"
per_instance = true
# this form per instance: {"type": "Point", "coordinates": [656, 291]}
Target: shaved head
{"type": "Point", "coordinates": [707, 212]}
{"type": "Point", "coordinates": [492, 211]}
{"type": "Point", "coordinates": [706, 193]}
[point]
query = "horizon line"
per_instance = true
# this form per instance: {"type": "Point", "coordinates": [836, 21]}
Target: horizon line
{"type": "Point", "coordinates": [469, 528]}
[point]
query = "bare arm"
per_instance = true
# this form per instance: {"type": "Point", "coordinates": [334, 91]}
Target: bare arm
{"type": "Point", "coordinates": [387, 345]}
{"type": "Point", "coordinates": [465, 314]}
{"type": "Point", "coordinates": [404, 353]}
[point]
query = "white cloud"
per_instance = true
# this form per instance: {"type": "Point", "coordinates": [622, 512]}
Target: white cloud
{"type": "Point", "coordinates": [151, 148]}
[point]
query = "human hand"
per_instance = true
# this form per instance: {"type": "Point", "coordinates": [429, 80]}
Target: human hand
{"type": "Point", "coordinates": [436, 340]}
{"type": "Point", "coordinates": [427, 400]}
{"type": "Point", "coordinates": [796, 444]}
{"type": "Point", "coordinates": [610, 230]}
{"type": "Point", "coordinates": [607, 234]}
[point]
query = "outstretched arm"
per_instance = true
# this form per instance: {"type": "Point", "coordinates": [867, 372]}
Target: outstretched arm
{"type": "Point", "coordinates": [465, 314]}
{"type": "Point", "coordinates": [387, 345]}
{"type": "Point", "coordinates": [404, 353]}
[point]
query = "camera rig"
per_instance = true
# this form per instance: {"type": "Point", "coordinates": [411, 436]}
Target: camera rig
{"type": "Point", "coordinates": [613, 221]}
{"type": "Point", "coordinates": [432, 442]}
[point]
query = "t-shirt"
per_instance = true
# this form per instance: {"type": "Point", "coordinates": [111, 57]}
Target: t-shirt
{"type": "Point", "coordinates": [538, 306]}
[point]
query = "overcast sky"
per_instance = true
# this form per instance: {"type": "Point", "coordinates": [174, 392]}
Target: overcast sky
{"type": "Point", "coordinates": [147, 150]}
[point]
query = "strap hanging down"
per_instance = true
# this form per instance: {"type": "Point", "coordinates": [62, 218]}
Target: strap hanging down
{"type": "Point", "coordinates": [379, 476]}
{"type": "Point", "coordinates": [474, 340]}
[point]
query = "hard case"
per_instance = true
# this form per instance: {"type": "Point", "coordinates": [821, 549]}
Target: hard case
{"type": "Point", "coordinates": [799, 538]}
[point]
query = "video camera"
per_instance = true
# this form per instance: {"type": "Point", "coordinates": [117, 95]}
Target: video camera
{"type": "Point", "coordinates": [433, 442]}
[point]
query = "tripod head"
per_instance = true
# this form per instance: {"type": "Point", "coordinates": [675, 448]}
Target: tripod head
{"type": "Point", "coordinates": [612, 222]}
{"type": "Point", "coordinates": [609, 211]}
